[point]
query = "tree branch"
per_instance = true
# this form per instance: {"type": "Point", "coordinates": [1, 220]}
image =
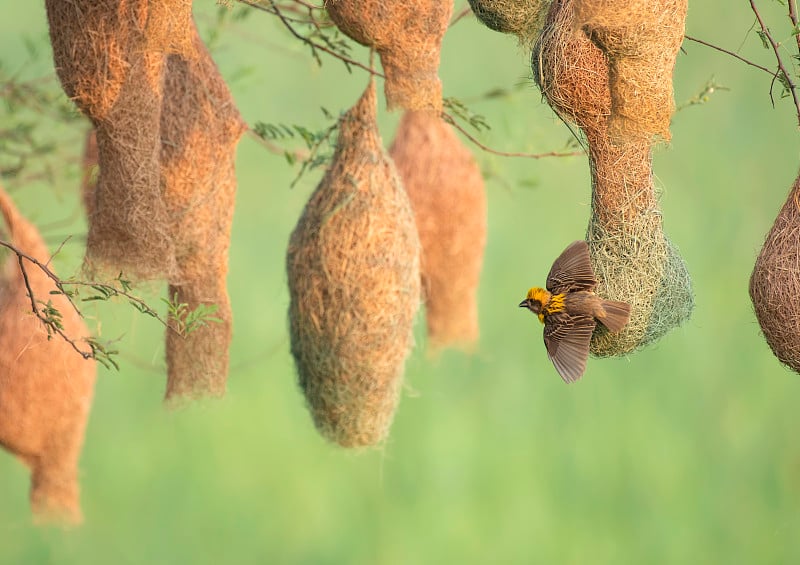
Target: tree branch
{"type": "Point", "coordinates": [50, 323]}
{"type": "Point", "coordinates": [731, 53]}
{"type": "Point", "coordinates": [450, 120]}
{"type": "Point", "coordinates": [789, 83]}
{"type": "Point", "coordinates": [274, 9]}
{"type": "Point", "coordinates": [105, 290]}
{"type": "Point", "coordinates": [793, 18]}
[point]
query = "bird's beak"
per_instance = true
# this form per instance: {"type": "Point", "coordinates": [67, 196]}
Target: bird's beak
{"type": "Point", "coordinates": [524, 303]}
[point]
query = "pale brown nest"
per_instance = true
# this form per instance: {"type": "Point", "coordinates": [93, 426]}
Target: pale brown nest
{"type": "Point", "coordinates": [354, 285]}
{"type": "Point", "coordinates": [408, 38]}
{"type": "Point", "coordinates": [198, 132]}
{"type": "Point", "coordinates": [200, 128]}
{"type": "Point", "coordinates": [110, 56]}
{"type": "Point", "coordinates": [641, 39]}
{"type": "Point", "coordinates": [446, 190]}
{"type": "Point", "coordinates": [46, 387]}
{"type": "Point", "coordinates": [634, 260]}
{"type": "Point", "coordinates": [775, 283]}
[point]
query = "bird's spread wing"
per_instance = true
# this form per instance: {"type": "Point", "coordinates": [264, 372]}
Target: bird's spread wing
{"type": "Point", "coordinates": [567, 341]}
{"type": "Point", "coordinates": [572, 270]}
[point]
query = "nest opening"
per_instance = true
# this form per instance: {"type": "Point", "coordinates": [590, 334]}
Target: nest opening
{"type": "Point", "coordinates": [636, 263]}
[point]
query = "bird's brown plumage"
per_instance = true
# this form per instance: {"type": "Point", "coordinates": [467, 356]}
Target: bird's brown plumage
{"type": "Point", "coordinates": [570, 310]}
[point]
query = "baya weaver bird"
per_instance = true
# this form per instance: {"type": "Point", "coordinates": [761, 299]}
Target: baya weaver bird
{"type": "Point", "coordinates": [570, 310]}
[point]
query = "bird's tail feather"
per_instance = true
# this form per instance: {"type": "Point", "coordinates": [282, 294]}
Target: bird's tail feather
{"type": "Point", "coordinates": [616, 315]}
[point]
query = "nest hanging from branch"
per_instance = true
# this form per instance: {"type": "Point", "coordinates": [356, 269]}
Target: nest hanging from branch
{"type": "Point", "coordinates": [46, 387]}
{"type": "Point", "coordinates": [775, 283]}
{"type": "Point", "coordinates": [446, 190]}
{"type": "Point", "coordinates": [354, 285]}
{"type": "Point", "coordinates": [634, 260]}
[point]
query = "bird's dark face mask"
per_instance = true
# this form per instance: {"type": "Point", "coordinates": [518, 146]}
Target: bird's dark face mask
{"type": "Point", "coordinates": [533, 305]}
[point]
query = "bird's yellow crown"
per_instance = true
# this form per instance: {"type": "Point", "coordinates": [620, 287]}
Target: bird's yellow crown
{"type": "Point", "coordinates": [539, 294]}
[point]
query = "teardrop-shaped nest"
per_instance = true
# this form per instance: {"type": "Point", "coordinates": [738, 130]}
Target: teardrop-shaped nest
{"type": "Point", "coordinates": [446, 190]}
{"type": "Point", "coordinates": [354, 284]}
{"type": "Point", "coordinates": [775, 283]}
{"type": "Point", "coordinates": [46, 386]}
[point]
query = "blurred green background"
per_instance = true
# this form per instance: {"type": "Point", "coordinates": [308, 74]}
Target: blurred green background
{"type": "Point", "coordinates": [683, 453]}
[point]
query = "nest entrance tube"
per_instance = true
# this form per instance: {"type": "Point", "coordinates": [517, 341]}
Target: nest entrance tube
{"type": "Point", "coordinates": [200, 129]}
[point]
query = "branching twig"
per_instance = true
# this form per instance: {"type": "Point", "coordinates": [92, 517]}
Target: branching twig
{"type": "Point", "coordinates": [731, 53]}
{"type": "Point", "coordinates": [274, 9]}
{"type": "Point", "coordinates": [297, 154]}
{"type": "Point", "coordinates": [450, 120]}
{"type": "Point", "coordinates": [793, 18]}
{"type": "Point", "coordinates": [287, 23]}
{"type": "Point", "coordinates": [105, 291]}
{"type": "Point", "coordinates": [50, 323]}
{"type": "Point", "coordinates": [787, 80]}
{"type": "Point", "coordinates": [464, 12]}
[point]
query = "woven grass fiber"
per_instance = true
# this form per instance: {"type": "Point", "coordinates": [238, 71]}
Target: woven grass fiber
{"type": "Point", "coordinates": [641, 39]}
{"type": "Point", "coordinates": [46, 387]}
{"type": "Point", "coordinates": [109, 56]}
{"type": "Point", "coordinates": [200, 129]}
{"type": "Point", "coordinates": [633, 259]}
{"type": "Point", "coordinates": [446, 189]}
{"type": "Point", "coordinates": [89, 171]}
{"type": "Point", "coordinates": [522, 18]}
{"type": "Point", "coordinates": [408, 38]}
{"type": "Point", "coordinates": [775, 283]}
{"type": "Point", "coordinates": [354, 286]}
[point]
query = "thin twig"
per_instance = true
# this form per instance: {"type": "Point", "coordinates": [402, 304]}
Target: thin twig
{"type": "Point", "coordinates": [288, 25]}
{"type": "Point", "coordinates": [110, 289]}
{"type": "Point", "coordinates": [58, 250]}
{"type": "Point", "coordinates": [793, 18]}
{"type": "Point", "coordinates": [297, 154]}
{"type": "Point", "coordinates": [464, 12]}
{"type": "Point", "coordinates": [731, 53]}
{"type": "Point", "coordinates": [789, 82]}
{"type": "Point", "coordinates": [450, 120]}
{"type": "Point", "coordinates": [48, 322]}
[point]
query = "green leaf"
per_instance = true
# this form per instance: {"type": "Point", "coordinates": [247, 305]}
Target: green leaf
{"type": "Point", "coordinates": [764, 39]}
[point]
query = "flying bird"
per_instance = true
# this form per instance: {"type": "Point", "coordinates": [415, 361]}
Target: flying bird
{"type": "Point", "coordinates": [570, 310]}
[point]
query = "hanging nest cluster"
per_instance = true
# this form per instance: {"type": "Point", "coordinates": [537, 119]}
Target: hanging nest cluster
{"type": "Point", "coordinates": [522, 18]}
{"type": "Point", "coordinates": [110, 58]}
{"type": "Point", "coordinates": [46, 387]}
{"type": "Point", "coordinates": [634, 260]}
{"type": "Point", "coordinates": [447, 194]}
{"type": "Point", "coordinates": [408, 38]}
{"type": "Point", "coordinates": [354, 285]}
{"type": "Point", "coordinates": [775, 283]}
{"type": "Point", "coordinates": [159, 178]}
